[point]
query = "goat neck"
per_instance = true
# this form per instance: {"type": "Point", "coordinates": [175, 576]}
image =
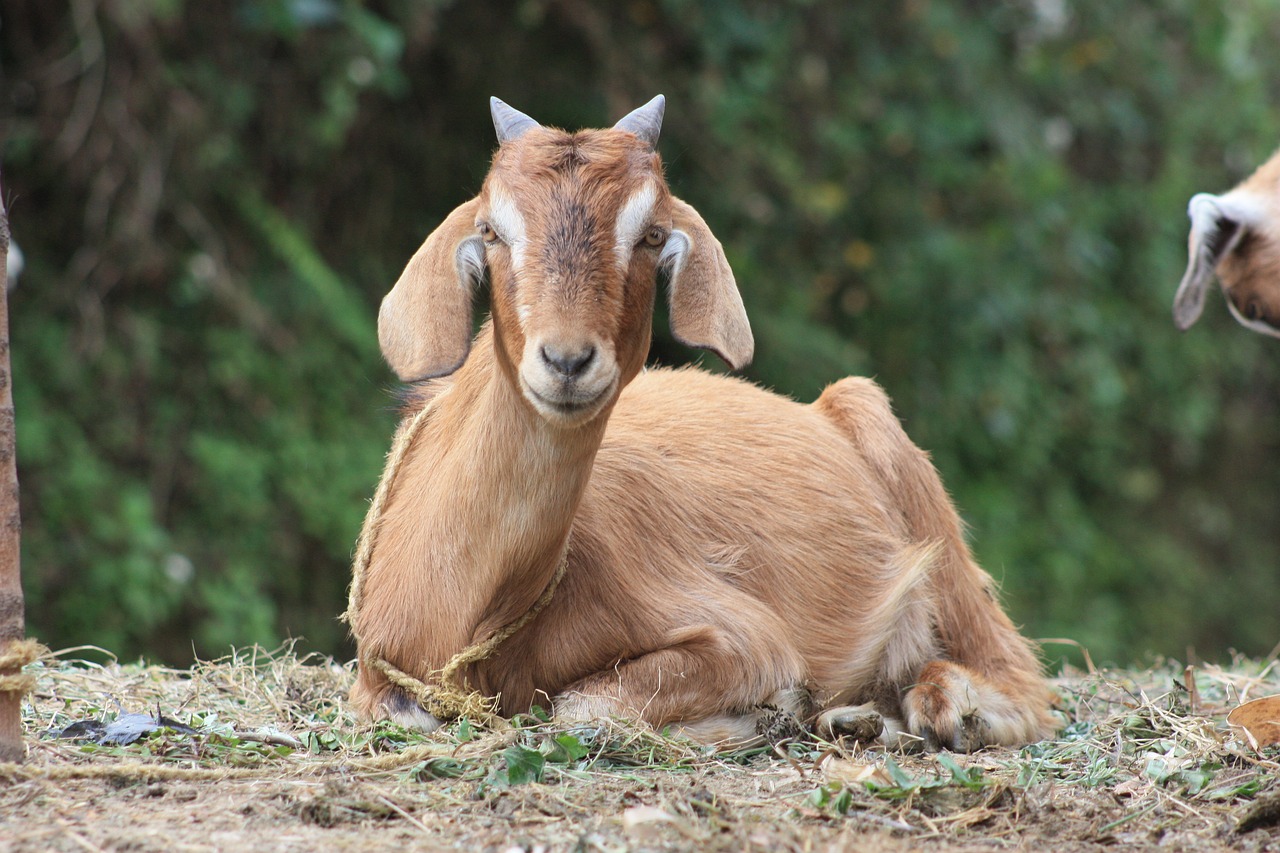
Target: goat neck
{"type": "Point", "coordinates": [484, 505]}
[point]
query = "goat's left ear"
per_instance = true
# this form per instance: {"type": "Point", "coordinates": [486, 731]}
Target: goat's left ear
{"type": "Point", "coordinates": [706, 308]}
{"type": "Point", "coordinates": [1217, 224]}
{"type": "Point", "coordinates": [424, 325]}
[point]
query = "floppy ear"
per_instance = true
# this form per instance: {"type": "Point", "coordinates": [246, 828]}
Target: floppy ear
{"type": "Point", "coordinates": [706, 308]}
{"type": "Point", "coordinates": [1217, 224]}
{"type": "Point", "coordinates": [424, 325]}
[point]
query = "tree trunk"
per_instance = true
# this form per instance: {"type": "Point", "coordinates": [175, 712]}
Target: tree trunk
{"type": "Point", "coordinates": [12, 628]}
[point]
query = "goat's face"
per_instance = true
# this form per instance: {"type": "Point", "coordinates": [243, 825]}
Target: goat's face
{"type": "Point", "coordinates": [1236, 235]}
{"type": "Point", "coordinates": [574, 226]}
{"type": "Point", "coordinates": [573, 230]}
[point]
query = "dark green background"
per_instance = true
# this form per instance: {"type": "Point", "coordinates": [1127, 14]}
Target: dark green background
{"type": "Point", "coordinates": [982, 205]}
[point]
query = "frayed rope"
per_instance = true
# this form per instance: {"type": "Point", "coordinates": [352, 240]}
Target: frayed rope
{"type": "Point", "coordinates": [364, 545]}
{"type": "Point", "coordinates": [18, 654]}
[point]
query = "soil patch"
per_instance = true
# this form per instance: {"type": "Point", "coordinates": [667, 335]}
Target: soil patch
{"type": "Point", "coordinates": [258, 752]}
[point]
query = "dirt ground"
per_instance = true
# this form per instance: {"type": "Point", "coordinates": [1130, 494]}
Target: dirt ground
{"type": "Point", "coordinates": [258, 753]}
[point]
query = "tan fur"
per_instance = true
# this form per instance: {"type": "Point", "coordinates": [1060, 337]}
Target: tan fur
{"type": "Point", "coordinates": [728, 549]}
{"type": "Point", "coordinates": [1237, 235]}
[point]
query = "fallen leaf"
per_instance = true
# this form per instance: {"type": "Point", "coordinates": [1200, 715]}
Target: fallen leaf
{"type": "Point", "coordinates": [853, 773]}
{"type": "Point", "coordinates": [122, 731]}
{"type": "Point", "coordinates": [641, 815]}
{"type": "Point", "coordinates": [1260, 721]}
{"type": "Point", "coordinates": [127, 728]}
{"type": "Point", "coordinates": [643, 821]}
{"type": "Point", "coordinates": [1131, 786]}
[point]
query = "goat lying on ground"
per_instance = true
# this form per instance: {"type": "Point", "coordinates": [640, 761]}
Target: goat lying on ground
{"type": "Point", "coordinates": [1238, 236]}
{"type": "Point", "coordinates": [728, 550]}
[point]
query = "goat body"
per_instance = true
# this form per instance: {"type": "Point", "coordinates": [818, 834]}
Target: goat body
{"type": "Point", "coordinates": [728, 550]}
{"type": "Point", "coordinates": [1236, 235]}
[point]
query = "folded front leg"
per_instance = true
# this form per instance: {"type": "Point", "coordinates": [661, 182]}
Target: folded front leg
{"type": "Point", "coordinates": [710, 684]}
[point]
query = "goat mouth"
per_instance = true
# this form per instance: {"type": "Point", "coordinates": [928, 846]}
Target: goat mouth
{"type": "Point", "coordinates": [572, 408]}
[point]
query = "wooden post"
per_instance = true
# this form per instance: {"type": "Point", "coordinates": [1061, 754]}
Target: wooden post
{"type": "Point", "coordinates": [12, 627]}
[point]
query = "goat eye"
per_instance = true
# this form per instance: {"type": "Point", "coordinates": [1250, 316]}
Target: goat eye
{"type": "Point", "coordinates": [655, 236]}
{"type": "Point", "coordinates": [487, 233]}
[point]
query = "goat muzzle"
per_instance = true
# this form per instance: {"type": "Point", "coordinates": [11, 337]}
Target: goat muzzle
{"type": "Point", "coordinates": [568, 383]}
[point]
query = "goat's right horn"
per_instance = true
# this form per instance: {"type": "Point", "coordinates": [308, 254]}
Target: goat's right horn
{"type": "Point", "coordinates": [645, 122]}
{"type": "Point", "coordinates": [509, 122]}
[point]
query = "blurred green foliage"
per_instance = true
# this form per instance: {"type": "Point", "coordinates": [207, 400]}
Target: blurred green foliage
{"type": "Point", "coordinates": [981, 205]}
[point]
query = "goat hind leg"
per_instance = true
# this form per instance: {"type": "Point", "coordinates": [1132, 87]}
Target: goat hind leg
{"type": "Point", "coordinates": [953, 707]}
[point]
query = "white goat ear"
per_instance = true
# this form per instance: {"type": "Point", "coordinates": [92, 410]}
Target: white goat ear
{"type": "Point", "coordinates": [424, 325]}
{"type": "Point", "coordinates": [1217, 224]}
{"type": "Point", "coordinates": [706, 308]}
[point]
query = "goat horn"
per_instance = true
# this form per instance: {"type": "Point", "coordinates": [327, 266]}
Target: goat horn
{"type": "Point", "coordinates": [509, 122]}
{"type": "Point", "coordinates": [645, 122]}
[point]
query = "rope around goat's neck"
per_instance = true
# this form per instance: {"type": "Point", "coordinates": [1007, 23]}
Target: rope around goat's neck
{"type": "Point", "coordinates": [364, 545]}
{"type": "Point", "coordinates": [449, 698]}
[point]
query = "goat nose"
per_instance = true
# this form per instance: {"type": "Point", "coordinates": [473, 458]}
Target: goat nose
{"type": "Point", "coordinates": [567, 362]}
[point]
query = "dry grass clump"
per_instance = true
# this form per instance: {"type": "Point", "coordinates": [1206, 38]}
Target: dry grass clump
{"type": "Point", "coordinates": [274, 760]}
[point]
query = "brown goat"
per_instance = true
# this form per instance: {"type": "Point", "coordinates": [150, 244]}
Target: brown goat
{"type": "Point", "coordinates": [1236, 235]}
{"type": "Point", "coordinates": [728, 550]}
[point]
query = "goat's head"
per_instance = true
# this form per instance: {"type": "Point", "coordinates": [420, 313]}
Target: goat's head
{"type": "Point", "coordinates": [573, 229]}
{"type": "Point", "coordinates": [1236, 235]}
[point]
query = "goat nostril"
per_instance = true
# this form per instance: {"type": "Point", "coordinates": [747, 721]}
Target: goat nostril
{"type": "Point", "coordinates": [570, 363]}
{"type": "Point", "coordinates": [1252, 311]}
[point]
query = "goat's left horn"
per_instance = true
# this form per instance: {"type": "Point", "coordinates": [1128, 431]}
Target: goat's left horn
{"type": "Point", "coordinates": [509, 122]}
{"type": "Point", "coordinates": [645, 122]}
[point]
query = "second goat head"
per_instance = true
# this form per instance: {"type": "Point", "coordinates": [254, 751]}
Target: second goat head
{"type": "Point", "coordinates": [1237, 237]}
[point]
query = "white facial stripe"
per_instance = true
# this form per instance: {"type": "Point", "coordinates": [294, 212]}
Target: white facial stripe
{"type": "Point", "coordinates": [505, 218]}
{"type": "Point", "coordinates": [633, 219]}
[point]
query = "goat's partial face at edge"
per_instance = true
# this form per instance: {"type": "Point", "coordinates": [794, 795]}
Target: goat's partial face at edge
{"type": "Point", "coordinates": [1237, 237]}
{"type": "Point", "coordinates": [573, 229]}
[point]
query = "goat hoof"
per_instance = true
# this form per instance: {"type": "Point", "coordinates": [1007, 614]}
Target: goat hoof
{"type": "Point", "coordinates": [974, 734]}
{"type": "Point", "coordinates": [778, 724]}
{"type": "Point", "coordinates": [861, 723]}
{"type": "Point", "coordinates": [402, 709]}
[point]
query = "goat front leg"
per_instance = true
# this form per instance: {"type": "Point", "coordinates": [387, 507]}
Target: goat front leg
{"type": "Point", "coordinates": [374, 697]}
{"type": "Point", "coordinates": [708, 684]}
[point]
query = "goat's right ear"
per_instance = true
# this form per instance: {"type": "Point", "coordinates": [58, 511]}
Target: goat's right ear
{"type": "Point", "coordinates": [706, 308]}
{"type": "Point", "coordinates": [1217, 224]}
{"type": "Point", "coordinates": [424, 325]}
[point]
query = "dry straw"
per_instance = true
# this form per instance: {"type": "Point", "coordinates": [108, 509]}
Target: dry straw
{"type": "Point", "coordinates": [1137, 763]}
